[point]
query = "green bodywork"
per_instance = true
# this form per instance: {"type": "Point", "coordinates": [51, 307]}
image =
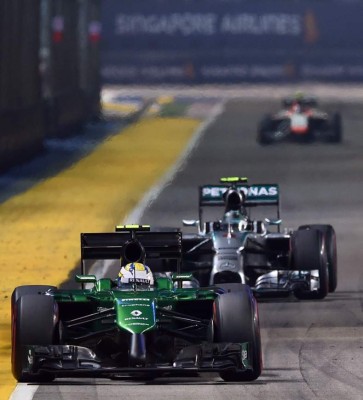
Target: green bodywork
{"type": "Point", "coordinates": [135, 310]}
{"type": "Point", "coordinates": [103, 329]}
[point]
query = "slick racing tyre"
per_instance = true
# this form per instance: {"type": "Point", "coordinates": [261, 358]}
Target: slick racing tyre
{"type": "Point", "coordinates": [28, 289]}
{"type": "Point", "coordinates": [331, 251]}
{"type": "Point", "coordinates": [236, 321]}
{"type": "Point", "coordinates": [264, 135]}
{"type": "Point", "coordinates": [308, 254]}
{"type": "Point", "coordinates": [33, 323]}
{"type": "Point", "coordinates": [335, 134]}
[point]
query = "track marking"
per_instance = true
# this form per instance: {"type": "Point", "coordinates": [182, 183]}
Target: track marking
{"type": "Point", "coordinates": [24, 391]}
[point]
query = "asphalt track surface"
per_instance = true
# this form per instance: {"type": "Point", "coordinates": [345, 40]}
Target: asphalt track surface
{"type": "Point", "coordinates": [311, 349]}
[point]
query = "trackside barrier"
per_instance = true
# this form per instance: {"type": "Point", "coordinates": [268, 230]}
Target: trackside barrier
{"type": "Point", "coordinates": [49, 72]}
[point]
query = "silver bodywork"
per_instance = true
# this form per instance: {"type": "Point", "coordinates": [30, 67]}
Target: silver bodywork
{"type": "Point", "coordinates": [239, 249]}
{"type": "Point", "coordinates": [232, 261]}
{"type": "Point", "coordinates": [228, 256]}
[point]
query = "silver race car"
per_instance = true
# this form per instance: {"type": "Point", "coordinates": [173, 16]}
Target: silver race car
{"type": "Point", "coordinates": [239, 249]}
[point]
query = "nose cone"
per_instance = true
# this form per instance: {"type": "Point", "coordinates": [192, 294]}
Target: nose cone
{"type": "Point", "coordinates": [136, 314]}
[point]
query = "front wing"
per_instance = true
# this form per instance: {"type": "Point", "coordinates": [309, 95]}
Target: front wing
{"type": "Point", "coordinates": [71, 361]}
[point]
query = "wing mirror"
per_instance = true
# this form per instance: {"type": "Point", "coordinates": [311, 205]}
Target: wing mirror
{"type": "Point", "coordinates": [86, 278]}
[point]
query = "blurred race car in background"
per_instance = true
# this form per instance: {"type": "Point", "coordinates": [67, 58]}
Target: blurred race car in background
{"type": "Point", "coordinates": [301, 120]}
{"type": "Point", "coordinates": [239, 249]}
{"type": "Point", "coordinates": [134, 326]}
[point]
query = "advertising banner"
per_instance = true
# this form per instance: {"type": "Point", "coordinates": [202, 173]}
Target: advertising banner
{"type": "Point", "coordinates": [209, 41]}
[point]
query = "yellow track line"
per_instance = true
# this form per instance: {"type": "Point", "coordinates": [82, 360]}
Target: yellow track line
{"type": "Point", "coordinates": [40, 229]}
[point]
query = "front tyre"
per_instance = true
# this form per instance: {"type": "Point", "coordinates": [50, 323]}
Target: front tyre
{"type": "Point", "coordinates": [235, 318]}
{"type": "Point", "coordinates": [264, 134]}
{"type": "Point", "coordinates": [33, 323]}
{"type": "Point", "coordinates": [331, 251]}
{"type": "Point", "coordinates": [335, 132]}
{"type": "Point", "coordinates": [308, 253]}
{"type": "Point", "coordinates": [29, 289]}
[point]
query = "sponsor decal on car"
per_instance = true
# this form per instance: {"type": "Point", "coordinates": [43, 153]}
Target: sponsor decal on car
{"type": "Point", "coordinates": [253, 193]}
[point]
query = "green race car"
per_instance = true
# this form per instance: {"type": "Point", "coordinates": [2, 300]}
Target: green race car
{"type": "Point", "coordinates": [109, 329]}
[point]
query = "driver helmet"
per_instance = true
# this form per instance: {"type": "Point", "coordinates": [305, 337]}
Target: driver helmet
{"type": "Point", "coordinates": [298, 101]}
{"type": "Point", "coordinates": [299, 96]}
{"type": "Point", "coordinates": [135, 273]}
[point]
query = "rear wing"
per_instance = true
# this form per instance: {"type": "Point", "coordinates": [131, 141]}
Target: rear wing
{"type": "Point", "coordinates": [255, 195]}
{"type": "Point", "coordinates": [109, 246]}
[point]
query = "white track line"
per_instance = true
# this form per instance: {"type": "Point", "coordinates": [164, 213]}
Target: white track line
{"type": "Point", "coordinates": [23, 391]}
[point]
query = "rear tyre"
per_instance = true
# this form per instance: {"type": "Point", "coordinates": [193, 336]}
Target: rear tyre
{"type": "Point", "coordinates": [331, 251]}
{"type": "Point", "coordinates": [336, 129]}
{"type": "Point", "coordinates": [236, 321]}
{"type": "Point", "coordinates": [308, 253]}
{"type": "Point", "coordinates": [33, 323]}
{"type": "Point", "coordinates": [264, 131]}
